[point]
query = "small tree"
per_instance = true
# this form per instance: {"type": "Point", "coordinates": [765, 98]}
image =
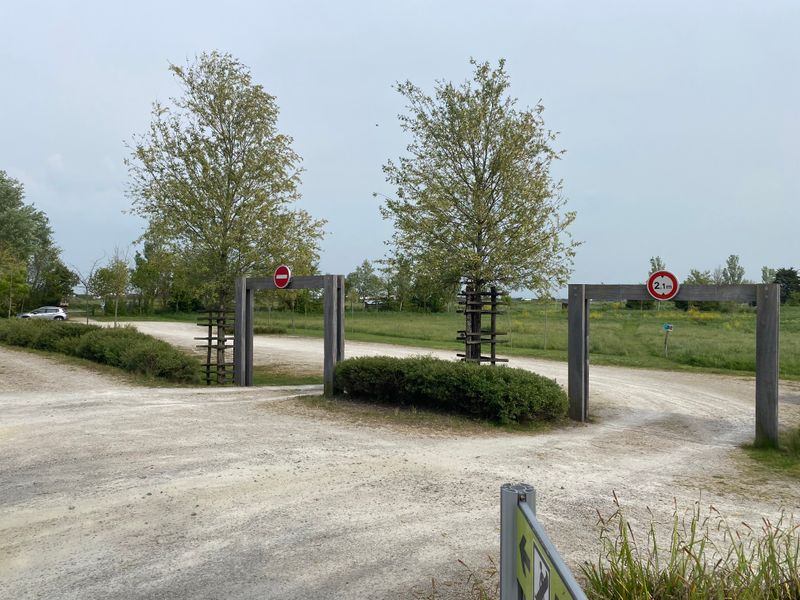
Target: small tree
{"type": "Point", "coordinates": [475, 197]}
{"type": "Point", "coordinates": [733, 272]}
{"type": "Point", "coordinates": [364, 281]}
{"type": "Point", "coordinates": [87, 280]}
{"type": "Point", "coordinates": [113, 280]}
{"type": "Point", "coordinates": [13, 285]}
{"type": "Point", "coordinates": [767, 275]}
{"type": "Point", "coordinates": [215, 179]}
{"type": "Point", "coordinates": [789, 282]}
{"type": "Point", "coordinates": [657, 264]}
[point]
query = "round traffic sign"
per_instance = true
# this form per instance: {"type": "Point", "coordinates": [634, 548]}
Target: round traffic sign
{"type": "Point", "coordinates": [662, 285]}
{"type": "Point", "coordinates": [282, 277]}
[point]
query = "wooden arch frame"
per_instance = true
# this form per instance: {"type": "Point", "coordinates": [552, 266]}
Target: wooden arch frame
{"type": "Point", "coordinates": [767, 299]}
{"type": "Point", "coordinates": [333, 315]}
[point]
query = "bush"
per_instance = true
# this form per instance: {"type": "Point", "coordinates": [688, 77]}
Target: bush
{"type": "Point", "coordinates": [499, 394]}
{"type": "Point", "coordinates": [123, 347]}
{"type": "Point", "coordinates": [42, 335]}
{"type": "Point", "coordinates": [136, 352]}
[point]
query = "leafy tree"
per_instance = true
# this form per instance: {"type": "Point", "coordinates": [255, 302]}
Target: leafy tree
{"type": "Point", "coordinates": [153, 273]}
{"type": "Point", "coordinates": [767, 275]}
{"type": "Point", "coordinates": [789, 282]}
{"type": "Point", "coordinates": [475, 197]}
{"type": "Point", "coordinates": [657, 264]}
{"type": "Point", "coordinates": [733, 272]}
{"type": "Point", "coordinates": [26, 235]}
{"type": "Point", "coordinates": [698, 277]}
{"type": "Point", "coordinates": [364, 281]}
{"type": "Point", "coordinates": [399, 281]}
{"type": "Point", "coordinates": [87, 280]}
{"type": "Point", "coordinates": [215, 179]}
{"type": "Point", "coordinates": [113, 280]}
{"type": "Point", "coordinates": [13, 284]}
{"type": "Point", "coordinates": [56, 283]}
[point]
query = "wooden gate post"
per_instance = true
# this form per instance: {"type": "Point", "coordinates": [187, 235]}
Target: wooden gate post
{"type": "Point", "coordinates": [576, 352]}
{"type": "Point", "coordinates": [331, 343]}
{"type": "Point", "coordinates": [340, 302]}
{"type": "Point", "coordinates": [767, 353]}
{"type": "Point", "coordinates": [240, 332]}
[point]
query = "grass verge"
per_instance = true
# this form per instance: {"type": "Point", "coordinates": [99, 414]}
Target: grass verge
{"type": "Point", "coordinates": [785, 459]}
{"type": "Point", "coordinates": [277, 375]}
{"type": "Point", "coordinates": [705, 557]}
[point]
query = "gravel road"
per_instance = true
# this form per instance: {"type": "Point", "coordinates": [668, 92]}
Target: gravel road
{"type": "Point", "coordinates": [109, 490]}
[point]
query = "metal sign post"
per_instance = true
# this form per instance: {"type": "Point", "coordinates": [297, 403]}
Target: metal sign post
{"type": "Point", "coordinates": [530, 566]}
{"type": "Point", "coordinates": [667, 330]}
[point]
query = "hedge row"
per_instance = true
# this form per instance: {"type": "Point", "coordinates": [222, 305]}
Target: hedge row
{"type": "Point", "coordinates": [122, 347]}
{"type": "Point", "coordinates": [500, 394]}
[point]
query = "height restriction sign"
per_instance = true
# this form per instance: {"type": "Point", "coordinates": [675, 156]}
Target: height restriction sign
{"type": "Point", "coordinates": [662, 285]}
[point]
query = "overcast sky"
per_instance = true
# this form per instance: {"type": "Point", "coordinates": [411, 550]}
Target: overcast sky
{"type": "Point", "coordinates": [680, 120]}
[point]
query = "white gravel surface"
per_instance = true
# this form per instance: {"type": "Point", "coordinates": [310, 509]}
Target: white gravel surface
{"type": "Point", "coordinates": [108, 490]}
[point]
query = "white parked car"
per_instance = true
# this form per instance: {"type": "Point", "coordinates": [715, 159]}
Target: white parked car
{"type": "Point", "coordinates": [53, 313]}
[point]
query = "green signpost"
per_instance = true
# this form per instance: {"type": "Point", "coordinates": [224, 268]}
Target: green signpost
{"type": "Point", "coordinates": [530, 566]}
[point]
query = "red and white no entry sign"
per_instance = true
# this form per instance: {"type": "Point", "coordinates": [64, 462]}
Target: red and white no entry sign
{"type": "Point", "coordinates": [282, 277]}
{"type": "Point", "coordinates": [662, 285]}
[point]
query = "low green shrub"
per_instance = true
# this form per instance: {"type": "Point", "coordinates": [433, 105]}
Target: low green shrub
{"type": "Point", "coordinates": [500, 394]}
{"type": "Point", "coordinates": [42, 335]}
{"type": "Point", "coordinates": [137, 352]}
{"type": "Point", "coordinates": [122, 347]}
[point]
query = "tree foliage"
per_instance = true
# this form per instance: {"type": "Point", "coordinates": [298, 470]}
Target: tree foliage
{"type": "Point", "coordinates": [364, 281]}
{"type": "Point", "coordinates": [215, 178]}
{"type": "Point", "coordinates": [732, 272]}
{"type": "Point", "coordinates": [657, 264]}
{"type": "Point", "coordinates": [112, 281]}
{"type": "Point", "coordinates": [475, 197]}
{"type": "Point", "coordinates": [789, 282]}
{"type": "Point", "coordinates": [26, 243]}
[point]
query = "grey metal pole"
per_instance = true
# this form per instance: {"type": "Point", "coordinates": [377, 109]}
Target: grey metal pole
{"type": "Point", "coordinates": [510, 495]}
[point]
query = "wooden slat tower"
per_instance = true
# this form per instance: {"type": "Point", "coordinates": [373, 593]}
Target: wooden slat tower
{"type": "Point", "coordinates": [477, 303]}
{"type": "Point", "coordinates": [219, 337]}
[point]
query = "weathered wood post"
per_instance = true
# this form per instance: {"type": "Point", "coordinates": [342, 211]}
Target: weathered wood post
{"type": "Point", "coordinates": [767, 364]}
{"type": "Point", "coordinates": [577, 379]}
{"type": "Point", "coordinates": [249, 307]}
{"type": "Point", "coordinates": [240, 332]}
{"type": "Point", "coordinates": [340, 310]}
{"type": "Point", "coordinates": [331, 343]}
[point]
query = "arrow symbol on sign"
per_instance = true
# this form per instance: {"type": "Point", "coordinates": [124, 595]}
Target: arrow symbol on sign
{"type": "Point", "coordinates": [523, 556]}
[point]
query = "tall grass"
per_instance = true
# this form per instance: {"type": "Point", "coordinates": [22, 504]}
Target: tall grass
{"type": "Point", "coordinates": [711, 341]}
{"type": "Point", "coordinates": [705, 557]}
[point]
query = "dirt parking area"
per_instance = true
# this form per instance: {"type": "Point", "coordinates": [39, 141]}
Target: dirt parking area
{"type": "Point", "coordinates": [109, 490]}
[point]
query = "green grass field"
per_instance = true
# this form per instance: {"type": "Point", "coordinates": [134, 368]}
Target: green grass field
{"type": "Point", "coordinates": [705, 341]}
{"type": "Point", "coordinates": [708, 341]}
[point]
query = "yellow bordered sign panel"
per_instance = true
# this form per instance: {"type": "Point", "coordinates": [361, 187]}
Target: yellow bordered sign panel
{"type": "Point", "coordinates": [540, 575]}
